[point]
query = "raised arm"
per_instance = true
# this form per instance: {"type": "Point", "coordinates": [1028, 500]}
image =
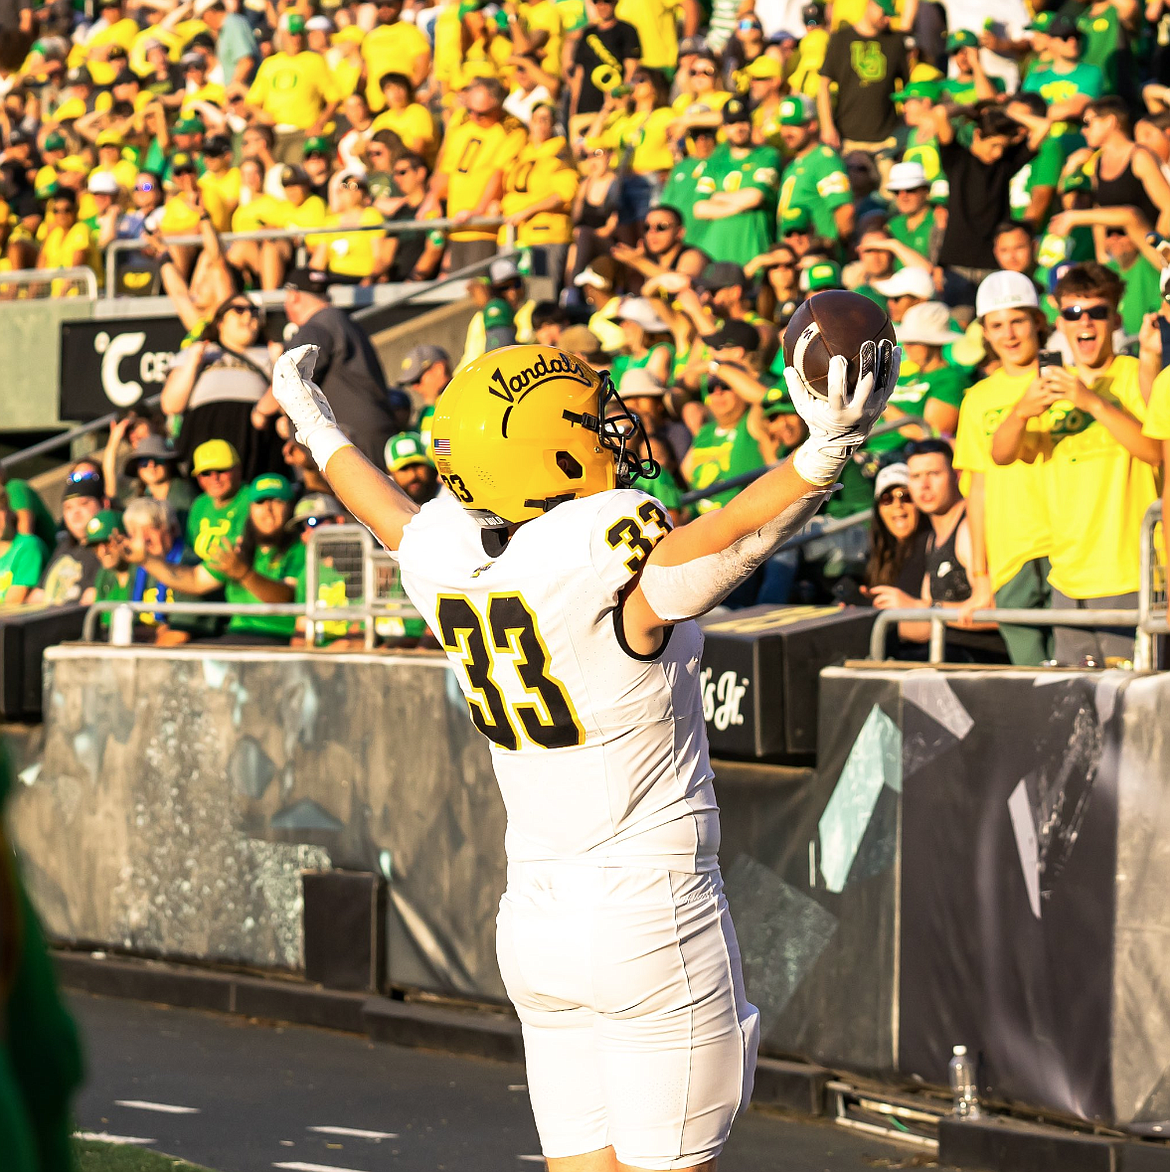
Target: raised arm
{"type": "Point", "coordinates": [697, 565]}
{"type": "Point", "coordinates": [369, 494]}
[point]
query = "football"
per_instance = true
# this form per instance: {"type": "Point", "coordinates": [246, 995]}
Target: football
{"type": "Point", "coordinates": [832, 322]}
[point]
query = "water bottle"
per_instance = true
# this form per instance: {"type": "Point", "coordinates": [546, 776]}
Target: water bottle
{"type": "Point", "coordinates": [122, 626]}
{"type": "Point", "coordinates": [963, 1084]}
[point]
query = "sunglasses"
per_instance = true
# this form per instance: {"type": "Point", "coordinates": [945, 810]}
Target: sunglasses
{"type": "Point", "coordinates": [248, 310]}
{"type": "Point", "coordinates": [1094, 312]}
{"type": "Point", "coordinates": [83, 477]}
{"type": "Point", "coordinates": [702, 72]}
{"type": "Point", "coordinates": [351, 184]}
{"type": "Point", "coordinates": [660, 226]}
{"type": "Point", "coordinates": [893, 494]}
{"type": "Point", "coordinates": [210, 472]}
{"type": "Point", "coordinates": [784, 264]}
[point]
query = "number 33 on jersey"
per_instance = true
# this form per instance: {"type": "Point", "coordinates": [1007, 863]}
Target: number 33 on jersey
{"type": "Point", "coordinates": [581, 729]}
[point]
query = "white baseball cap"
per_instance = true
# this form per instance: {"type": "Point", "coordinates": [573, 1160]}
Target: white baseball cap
{"type": "Point", "coordinates": [907, 282]}
{"type": "Point", "coordinates": [907, 177]}
{"type": "Point", "coordinates": [638, 382]}
{"type": "Point", "coordinates": [642, 312]}
{"type": "Point", "coordinates": [891, 476]}
{"type": "Point", "coordinates": [102, 183]}
{"type": "Point", "coordinates": [928, 324]}
{"type": "Point", "coordinates": [591, 277]}
{"type": "Point", "coordinates": [1005, 290]}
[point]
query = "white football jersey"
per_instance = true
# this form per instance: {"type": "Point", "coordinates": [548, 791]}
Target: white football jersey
{"type": "Point", "coordinates": [599, 754]}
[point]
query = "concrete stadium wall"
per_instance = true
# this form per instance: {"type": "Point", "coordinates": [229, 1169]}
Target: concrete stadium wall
{"type": "Point", "coordinates": [30, 353]}
{"type": "Point", "coordinates": [980, 857]}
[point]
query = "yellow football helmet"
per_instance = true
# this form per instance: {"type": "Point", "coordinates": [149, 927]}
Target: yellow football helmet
{"type": "Point", "coordinates": [525, 428]}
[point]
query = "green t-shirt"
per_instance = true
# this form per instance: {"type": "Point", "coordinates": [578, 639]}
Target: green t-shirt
{"type": "Point", "coordinates": [962, 93]}
{"type": "Point", "coordinates": [1043, 171]}
{"type": "Point", "coordinates": [745, 235]}
{"type": "Point", "coordinates": [423, 427]}
{"type": "Point", "coordinates": [21, 563]}
{"type": "Point", "coordinates": [110, 588]}
{"type": "Point", "coordinates": [679, 193]}
{"type": "Point", "coordinates": [624, 362]}
{"type": "Point", "coordinates": [1142, 293]}
{"type": "Point", "coordinates": [924, 151]}
{"type": "Point", "coordinates": [721, 453]}
{"type": "Point", "coordinates": [915, 238]}
{"type": "Point", "coordinates": [663, 486]}
{"type": "Point", "coordinates": [870, 292]}
{"type": "Point", "coordinates": [207, 524]}
{"type": "Point", "coordinates": [332, 591]}
{"type": "Point", "coordinates": [818, 182]}
{"type": "Point", "coordinates": [22, 495]}
{"type": "Point", "coordinates": [1058, 86]}
{"type": "Point", "coordinates": [280, 566]}
{"type": "Point", "coordinates": [1101, 45]}
{"type": "Point", "coordinates": [914, 390]}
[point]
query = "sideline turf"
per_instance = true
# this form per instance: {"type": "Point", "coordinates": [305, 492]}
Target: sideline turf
{"type": "Point", "coordinates": [101, 1157]}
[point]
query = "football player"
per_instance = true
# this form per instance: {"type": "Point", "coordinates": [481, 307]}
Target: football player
{"type": "Point", "coordinates": [565, 601]}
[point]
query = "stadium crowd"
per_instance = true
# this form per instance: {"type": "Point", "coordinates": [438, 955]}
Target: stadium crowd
{"type": "Point", "coordinates": [677, 176]}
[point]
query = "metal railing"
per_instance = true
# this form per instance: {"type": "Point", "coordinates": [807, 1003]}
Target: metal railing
{"type": "Point", "coordinates": [1153, 597]}
{"type": "Point", "coordinates": [28, 280]}
{"type": "Point", "coordinates": [374, 577]}
{"type": "Point", "coordinates": [940, 617]}
{"type": "Point", "coordinates": [391, 227]}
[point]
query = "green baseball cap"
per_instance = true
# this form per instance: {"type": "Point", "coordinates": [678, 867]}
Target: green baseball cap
{"type": "Point", "coordinates": [889, 7]}
{"type": "Point", "coordinates": [795, 219]}
{"type": "Point", "coordinates": [318, 145]}
{"type": "Point", "coordinates": [928, 90]}
{"type": "Point", "coordinates": [55, 142]}
{"type": "Point", "coordinates": [797, 110]}
{"type": "Point", "coordinates": [189, 126]}
{"type": "Point", "coordinates": [776, 402]}
{"type": "Point", "coordinates": [497, 314]}
{"type": "Point", "coordinates": [1040, 22]}
{"type": "Point", "coordinates": [295, 23]}
{"type": "Point", "coordinates": [962, 38]}
{"type": "Point", "coordinates": [102, 526]}
{"type": "Point", "coordinates": [272, 487]}
{"type": "Point", "coordinates": [825, 274]}
{"type": "Point", "coordinates": [406, 448]}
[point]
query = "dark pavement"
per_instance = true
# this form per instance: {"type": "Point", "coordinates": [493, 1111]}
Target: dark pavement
{"type": "Point", "coordinates": [255, 1093]}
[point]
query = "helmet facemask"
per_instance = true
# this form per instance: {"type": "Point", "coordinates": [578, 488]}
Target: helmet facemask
{"type": "Point", "coordinates": [614, 432]}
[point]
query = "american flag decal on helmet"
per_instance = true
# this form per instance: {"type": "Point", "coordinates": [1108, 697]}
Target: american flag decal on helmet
{"type": "Point", "coordinates": [442, 447]}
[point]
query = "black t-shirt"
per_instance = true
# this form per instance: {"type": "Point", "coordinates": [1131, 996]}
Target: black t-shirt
{"type": "Point", "coordinates": [410, 245]}
{"type": "Point", "coordinates": [602, 54]}
{"type": "Point", "coordinates": [71, 571]}
{"type": "Point", "coordinates": [350, 374]}
{"type": "Point", "coordinates": [979, 200]}
{"type": "Point", "coordinates": [865, 69]}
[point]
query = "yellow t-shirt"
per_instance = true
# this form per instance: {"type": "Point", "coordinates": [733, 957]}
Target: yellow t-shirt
{"type": "Point", "coordinates": [713, 100]}
{"type": "Point", "coordinates": [540, 171]}
{"type": "Point", "coordinates": [293, 91]}
{"type": "Point", "coordinates": [124, 32]}
{"type": "Point", "coordinates": [1015, 500]}
{"type": "Point", "coordinates": [413, 124]}
{"type": "Point", "coordinates": [657, 25]}
{"type": "Point", "coordinates": [1097, 492]}
{"type": "Point", "coordinates": [125, 173]}
{"type": "Point", "coordinates": [60, 246]}
{"type": "Point", "coordinates": [471, 155]}
{"type": "Point", "coordinates": [179, 218]}
{"type": "Point", "coordinates": [347, 72]}
{"type": "Point", "coordinates": [1157, 421]}
{"type": "Point", "coordinates": [211, 93]}
{"type": "Point", "coordinates": [350, 254]}
{"type": "Point", "coordinates": [847, 12]}
{"type": "Point", "coordinates": [448, 63]}
{"type": "Point", "coordinates": [266, 211]}
{"type": "Point", "coordinates": [544, 17]}
{"type": "Point", "coordinates": [226, 187]}
{"type": "Point", "coordinates": [391, 48]}
{"type": "Point", "coordinates": [155, 32]}
{"type": "Point", "coordinates": [645, 137]}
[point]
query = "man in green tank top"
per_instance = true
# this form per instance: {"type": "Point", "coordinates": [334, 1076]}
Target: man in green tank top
{"type": "Point", "coordinates": [725, 446]}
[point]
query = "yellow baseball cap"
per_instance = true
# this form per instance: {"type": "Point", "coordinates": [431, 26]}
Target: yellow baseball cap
{"type": "Point", "coordinates": [109, 138]}
{"type": "Point", "coordinates": [350, 35]}
{"type": "Point", "coordinates": [74, 163]}
{"type": "Point", "coordinates": [214, 455]}
{"type": "Point", "coordinates": [764, 68]}
{"type": "Point", "coordinates": [69, 110]}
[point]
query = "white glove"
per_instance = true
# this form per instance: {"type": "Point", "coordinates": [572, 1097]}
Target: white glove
{"type": "Point", "coordinates": [839, 425]}
{"type": "Point", "coordinates": [305, 404]}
